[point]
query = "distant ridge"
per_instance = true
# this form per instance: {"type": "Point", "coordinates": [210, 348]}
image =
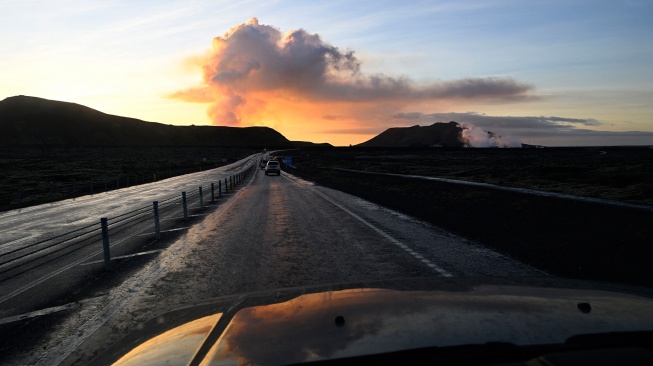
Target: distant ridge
{"type": "Point", "coordinates": [305, 144]}
{"type": "Point", "coordinates": [32, 121]}
{"type": "Point", "coordinates": [437, 134]}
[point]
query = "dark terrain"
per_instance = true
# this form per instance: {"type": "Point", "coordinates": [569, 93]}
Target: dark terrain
{"type": "Point", "coordinates": [53, 150]}
{"type": "Point", "coordinates": [35, 122]}
{"type": "Point", "coordinates": [607, 241]}
{"type": "Point", "coordinates": [36, 175]}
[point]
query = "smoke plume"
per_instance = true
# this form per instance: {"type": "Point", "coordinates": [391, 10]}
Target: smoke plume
{"type": "Point", "coordinates": [255, 74]}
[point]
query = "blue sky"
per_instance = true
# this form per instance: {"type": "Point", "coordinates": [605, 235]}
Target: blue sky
{"type": "Point", "coordinates": [587, 65]}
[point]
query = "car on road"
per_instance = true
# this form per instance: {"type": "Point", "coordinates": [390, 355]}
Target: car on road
{"type": "Point", "coordinates": [272, 167]}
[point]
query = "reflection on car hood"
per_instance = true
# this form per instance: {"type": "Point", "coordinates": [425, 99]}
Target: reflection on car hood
{"type": "Point", "coordinates": [300, 325]}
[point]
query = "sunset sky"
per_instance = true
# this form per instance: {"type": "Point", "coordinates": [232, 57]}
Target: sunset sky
{"type": "Point", "coordinates": [555, 73]}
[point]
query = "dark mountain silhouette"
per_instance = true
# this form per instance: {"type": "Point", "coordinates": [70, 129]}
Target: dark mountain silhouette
{"type": "Point", "coordinates": [437, 134]}
{"type": "Point", "coordinates": [305, 144]}
{"type": "Point", "coordinates": [31, 121]}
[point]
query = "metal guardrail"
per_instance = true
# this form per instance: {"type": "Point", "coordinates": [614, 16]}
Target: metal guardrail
{"type": "Point", "coordinates": [162, 215]}
{"type": "Point", "coordinates": [48, 192]}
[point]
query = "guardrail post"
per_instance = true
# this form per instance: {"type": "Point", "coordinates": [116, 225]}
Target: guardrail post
{"type": "Point", "coordinates": [226, 187]}
{"type": "Point", "coordinates": [232, 183]}
{"type": "Point", "coordinates": [157, 225]}
{"type": "Point", "coordinates": [219, 189]}
{"type": "Point", "coordinates": [212, 192]}
{"type": "Point", "coordinates": [105, 243]}
{"type": "Point", "coordinates": [201, 200]}
{"type": "Point", "coordinates": [183, 203]}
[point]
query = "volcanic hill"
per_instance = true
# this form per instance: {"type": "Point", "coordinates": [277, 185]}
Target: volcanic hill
{"type": "Point", "coordinates": [30, 122]}
{"type": "Point", "coordinates": [437, 134]}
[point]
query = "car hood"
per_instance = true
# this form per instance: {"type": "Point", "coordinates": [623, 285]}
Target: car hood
{"type": "Point", "coordinates": [347, 320]}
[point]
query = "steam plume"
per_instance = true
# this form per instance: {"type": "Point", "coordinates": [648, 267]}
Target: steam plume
{"type": "Point", "coordinates": [254, 74]}
{"type": "Point", "coordinates": [477, 137]}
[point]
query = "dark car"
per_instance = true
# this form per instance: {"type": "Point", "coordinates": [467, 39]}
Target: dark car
{"type": "Point", "coordinates": [272, 167]}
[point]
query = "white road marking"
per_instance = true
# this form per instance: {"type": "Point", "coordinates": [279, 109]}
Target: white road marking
{"type": "Point", "coordinates": [401, 245]}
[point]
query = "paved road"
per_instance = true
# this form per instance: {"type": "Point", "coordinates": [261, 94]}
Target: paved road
{"type": "Point", "coordinates": [275, 232]}
{"type": "Point", "coordinates": [22, 230]}
{"type": "Point", "coordinates": [28, 225]}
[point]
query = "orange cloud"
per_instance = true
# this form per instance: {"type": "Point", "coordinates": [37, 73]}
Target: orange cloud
{"type": "Point", "coordinates": [299, 84]}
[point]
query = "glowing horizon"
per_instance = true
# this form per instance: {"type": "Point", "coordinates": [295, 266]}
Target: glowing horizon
{"type": "Point", "coordinates": [560, 73]}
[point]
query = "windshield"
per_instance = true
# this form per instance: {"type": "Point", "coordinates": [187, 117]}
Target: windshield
{"type": "Point", "coordinates": [177, 162]}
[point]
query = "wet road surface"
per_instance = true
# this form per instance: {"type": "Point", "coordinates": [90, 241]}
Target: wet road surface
{"type": "Point", "coordinates": [275, 232]}
{"type": "Point", "coordinates": [24, 226]}
{"type": "Point", "coordinates": [26, 231]}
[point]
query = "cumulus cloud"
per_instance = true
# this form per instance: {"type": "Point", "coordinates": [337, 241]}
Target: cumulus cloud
{"type": "Point", "coordinates": [255, 70]}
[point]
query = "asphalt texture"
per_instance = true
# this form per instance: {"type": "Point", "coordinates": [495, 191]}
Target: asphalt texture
{"type": "Point", "coordinates": [273, 232]}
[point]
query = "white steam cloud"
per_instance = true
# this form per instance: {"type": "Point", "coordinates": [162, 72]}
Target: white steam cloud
{"type": "Point", "coordinates": [255, 67]}
{"type": "Point", "coordinates": [477, 137]}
